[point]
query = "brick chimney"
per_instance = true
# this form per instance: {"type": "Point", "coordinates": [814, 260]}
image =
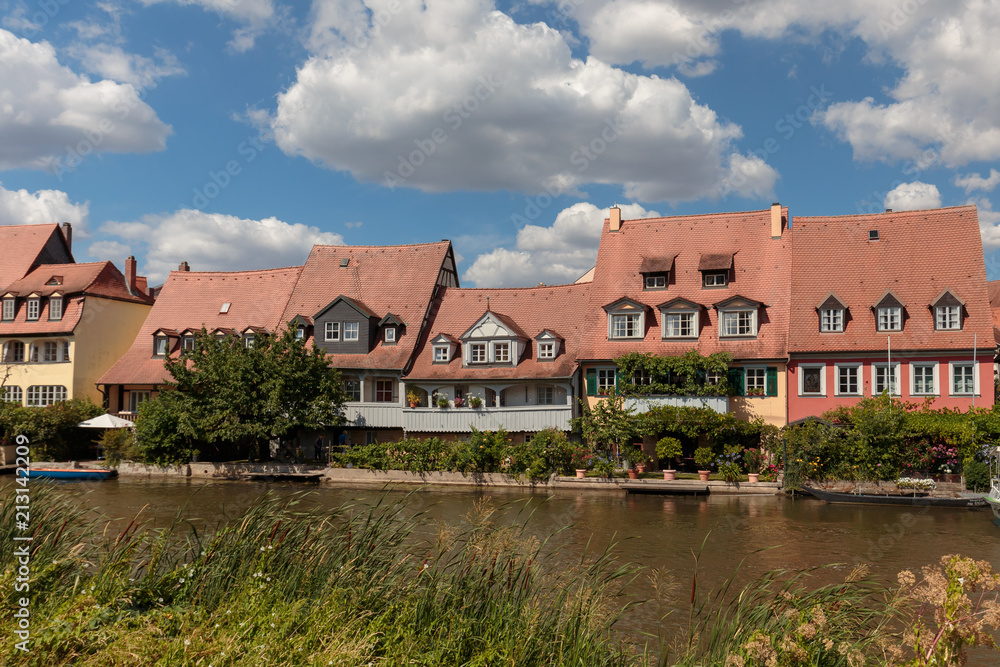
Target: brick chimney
{"type": "Point", "coordinates": [776, 220]}
{"type": "Point", "coordinates": [615, 219]}
{"type": "Point", "coordinates": [67, 230]}
{"type": "Point", "coordinates": [184, 267]}
{"type": "Point", "coordinates": [130, 275]}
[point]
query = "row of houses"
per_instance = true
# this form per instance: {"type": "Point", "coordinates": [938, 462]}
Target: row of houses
{"type": "Point", "coordinates": [815, 312]}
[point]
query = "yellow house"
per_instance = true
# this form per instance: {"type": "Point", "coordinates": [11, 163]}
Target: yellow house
{"type": "Point", "coordinates": [63, 325]}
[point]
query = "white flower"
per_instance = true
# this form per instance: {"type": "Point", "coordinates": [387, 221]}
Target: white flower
{"type": "Point", "coordinates": [187, 642]}
{"type": "Point", "coordinates": [160, 599]}
{"type": "Point", "coordinates": [182, 580]}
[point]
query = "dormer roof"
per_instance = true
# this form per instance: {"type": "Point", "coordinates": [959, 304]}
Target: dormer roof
{"type": "Point", "coordinates": [831, 302]}
{"type": "Point", "coordinates": [737, 301]}
{"type": "Point", "coordinates": [625, 303]}
{"type": "Point", "coordinates": [889, 299]}
{"type": "Point", "coordinates": [392, 318]}
{"type": "Point", "coordinates": [716, 261]}
{"type": "Point", "coordinates": [493, 325]}
{"type": "Point", "coordinates": [947, 298]}
{"type": "Point", "coordinates": [679, 302]}
{"type": "Point", "coordinates": [658, 264]}
{"type": "Point", "coordinates": [548, 334]}
{"type": "Point", "coordinates": [362, 309]}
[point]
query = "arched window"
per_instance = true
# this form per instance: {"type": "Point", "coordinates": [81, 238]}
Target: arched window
{"type": "Point", "coordinates": [14, 352]}
{"type": "Point", "coordinates": [13, 394]}
{"type": "Point", "coordinates": [40, 395]}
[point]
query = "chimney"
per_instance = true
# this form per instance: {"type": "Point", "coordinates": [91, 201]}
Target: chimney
{"type": "Point", "coordinates": [130, 275]}
{"type": "Point", "coordinates": [616, 218]}
{"type": "Point", "coordinates": [775, 220]}
{"type": "Point", "coordinates": [67, 230]}
{"type": "Point", "coordinates": [888, 210]}
{"type": "Point", "coordinates": [184, 267]}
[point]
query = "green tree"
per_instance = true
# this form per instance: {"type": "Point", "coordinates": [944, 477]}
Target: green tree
{"type": "Point", "coordinates": [609, 425]}
{"type": "Point", "coordinates": [233, 399]}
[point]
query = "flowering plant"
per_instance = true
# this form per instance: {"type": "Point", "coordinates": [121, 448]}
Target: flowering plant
{"type": "Point", "coordinates": [729, 465]}
{"type": "Point", "coordinates": [919, 484]}
{"type": "Point", "coordinates": [581, 458]}
{"type": "Point", "coordinates": [754, 459]}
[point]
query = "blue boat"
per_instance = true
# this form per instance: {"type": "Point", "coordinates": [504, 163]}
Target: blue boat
{"type": "Point", "coordinates": [92, 474]}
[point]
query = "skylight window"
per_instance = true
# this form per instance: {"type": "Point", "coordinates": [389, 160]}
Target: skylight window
{"type": "Point", "coordinates": [225, 307]}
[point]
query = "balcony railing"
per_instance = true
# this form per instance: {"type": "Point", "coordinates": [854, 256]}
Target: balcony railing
{"type": "Point", "coordinates": [643, 403]}
{"type": "Point", "coordinates": [374, 415]}
{"type": "Point", "coordinates": [529, 418]}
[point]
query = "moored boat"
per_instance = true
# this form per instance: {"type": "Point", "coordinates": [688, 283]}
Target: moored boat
{"type": "Point", "coordinates": [93, 474]}
{"type": "Point", "coordinates": [912, 500]}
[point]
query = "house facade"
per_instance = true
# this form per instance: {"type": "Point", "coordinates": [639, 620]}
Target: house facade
{"type": "Point", "coordinates": [63, 325]}
{"type": "Point", "coordinates": [512, 350]}
{"type": "Point", "coordinates": [712, 283]}
{"type": "Point", "coordinates": [25, 247]}
{"type": "Point", "coordinates": [894, 302]}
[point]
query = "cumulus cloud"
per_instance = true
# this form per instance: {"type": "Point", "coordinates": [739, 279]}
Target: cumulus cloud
{"type": "Point", "coordinates": [255, 16]}
{"type": "Point", "coordinates": [552, 255]}
{"type": "Point", "coordinates": [109, 250]}
{"type": "Point", "coordinates": [218, 242]}
{"type": "Point", "coordinates": [913, 196]}
{"type": "Point", "coordinates": [45, 107]}
{"type": "Point", "coordinates": [446, 96]}
{"type": "Point", "coordinates": [976, 182]}
{"type": "Point", "coordinates": [989, 227]}
{"type": "Point", "coordinates": [20, 207]}
{"type": "Point", "coordinates": [112, 62]}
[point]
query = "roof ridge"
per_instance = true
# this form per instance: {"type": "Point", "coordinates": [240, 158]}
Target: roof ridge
{"type": "Point", "coordinates": [398, 245]}
{"type": "Point", "coordinates": [515, 289]}
{"type": "Point", "coordinates": [881, 214]}
{"type": "Point", "coordinates": [700, 215]}
{"type": "Point", "coordinates": [235, 273]}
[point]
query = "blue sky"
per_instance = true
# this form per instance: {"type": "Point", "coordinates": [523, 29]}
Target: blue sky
{"type": "Point", "coordinates": [234, 134]}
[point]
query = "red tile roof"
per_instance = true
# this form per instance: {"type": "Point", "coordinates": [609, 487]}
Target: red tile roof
{"type": "Point", "coordinates": [993, 288]}
{"type": "Point", "coordinates": [530, 310]}
{"type": "Point", "coordinates": [918, 255]}
{"type": "Point", "coordinates": [23, 246]}
{"type": "Point", "coordinates": [193, 299]}
{"type": "Point", "coordinates": [396, 279]}
{"type": "Point", "coordinates": [761, 266]}
{"type": "Point", "coordinates": [101, 279]}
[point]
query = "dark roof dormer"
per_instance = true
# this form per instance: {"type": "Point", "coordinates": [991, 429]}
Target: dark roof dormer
{"type": "Point", "coordinates": [948, 311]}
{"type": "Point", "coordinates": [832, 313]}
{"type": "Point", "coordinates": [656, 271]}
{"type": "Point", "coordinates": [716, 269]}
{"type": "Point", "coordinates": [890, 312]}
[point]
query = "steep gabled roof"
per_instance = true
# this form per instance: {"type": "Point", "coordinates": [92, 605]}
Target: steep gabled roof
{"type": "Point", "coordinates": [397, 279]}
{"type": "Point", "coordinates": [192, 300]}
{"type": "Point", "coordinates": [918, 255]}
{"type": "Point", "coordinates": [549, 308]}
{"type": "Point", "coordinates": [25, 246]}
{"type": "Point", "coordinates": [760, 272]}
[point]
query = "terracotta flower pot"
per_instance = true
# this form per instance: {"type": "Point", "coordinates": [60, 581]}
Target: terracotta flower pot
{"type": "Point", "coordinates": [413, 404]}
{"type": "Point", "coordinates": [641, 467]}
{"type": "Point", "coordinates": [581, 472]}
{"type": "Point", "coordinates": [633, 473]}
{"type": "Point", "coordinates": [703, 475]}
{"type": "Point", "coordinates": [669, 475]}
{"type": "Point", "coordinates": [754, 477]}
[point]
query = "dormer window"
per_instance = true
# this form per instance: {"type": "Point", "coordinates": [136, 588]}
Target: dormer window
{"type": "Point", "coordinates": [715, 268]}
{"type": "Point", "coordinates": [300, 333]}
{"type": "Point", "coordinates": [626, 319]}
{"type": "Point", "coordinates": [738, 317]}
{"type": "Point", "coordinates": [350, 330]}
{"type": "Point", "coordinates": [655, 281]}
{"type": "Point", "coordinates": [680, 318]}
{"type": "Point", "coordinates": [34, 307]}
{"type": "Point", "coordinates": [442, 354]}
{"type": "Point", "coordinates": [715, 279]}
{"type": "Point", "coordinates": [477, 353]}
{"type": "Point", "coordinates": [188, 343]}
{"type": "Point", "coordinates": [831, 314]}
{"type": "Point", "coordinates": [626, 325]}
{"type": "Point", "coordinates": [889, 312]}
{"type": "Point", "coordinates": [501, 353]}
{"type": "Point", "coordinates": [332, 331]}
{"type": "Point", "coordinates": [248, 340]}
{"type": "Point", "coordinates": [947, 311]}
{"type": "Point", "coordinates": [546, 350]}
{"type": "Point", "coordinates": [390, 335]}
{"type": "Point", "coordinates": [160, 346]}
{"type": "Point", "coordinates": [55, 307]}
{"type": "Point", "coordinates": [8, 308]}
{"type": "Point", "coordinates": [656, 270]}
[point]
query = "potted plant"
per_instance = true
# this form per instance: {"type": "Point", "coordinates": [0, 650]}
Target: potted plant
{"type": "Point", "coordinates": [704, 458]}
{"type": "Point", "coordinates": [442, 401]}
{"type": "Point", "coordinates": [668, 449]}
{"type": "Point", "coordinates": [580, 460]}
{"type": "Point", "coordinates": [458, 401]}
{"type": "Point", "coordinates": [413, 398]}
{"type": "Point", "coordinates": [633, 456]}
{"type": "Point", "coordinates": [754, 459]}
{"type": "Point", "coordinates": [475, 402]}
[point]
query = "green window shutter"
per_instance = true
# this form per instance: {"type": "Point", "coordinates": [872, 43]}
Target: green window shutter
{"type": "Point", "coordinates": [736, 381]}
{"type": "Point", "coordinates": [772, 381]}
{"type": "Point", "coordinates": [618, 382]}
{"type": "Point", "coordinates": [591, 382]}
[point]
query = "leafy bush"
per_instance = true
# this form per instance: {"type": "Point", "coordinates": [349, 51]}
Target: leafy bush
{"type": "Point", "coordinates": [157, 432]}
{"type": "Point", "coordinates": [52, 430]}
{"type": "Point", "coordinates": [118, 445]}
{"type": "Point", "coordinates": [977, 474]}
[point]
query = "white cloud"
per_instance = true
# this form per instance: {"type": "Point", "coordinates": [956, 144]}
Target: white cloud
{"type": "Point", "coordinates": [976, 182]}
{"type": "Point", "coordinates": [913, 196]}
{"type": "Point", "coordinates": [446, 96]}
{"type": "Point", "coordinates": [112, 62]}
{"type": "Point", "coordinates": [109, 250]}
{"type": "Point", "coordinates": [45, 107]}
{"type": "Point", "coordinates": [218, 242]}
{"type": "Point", "coordinates": [552, 255]}
{"type": "Point", "coordinates": [989, 226]}
{"type": "Point", "coordinates": [20, 207]}
{"type": "Point", "coordinates": [256, 16]}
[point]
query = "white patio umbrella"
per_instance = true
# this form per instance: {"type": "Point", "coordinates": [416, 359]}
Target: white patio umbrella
{"type": "Point", "coordinates": [106, 421]}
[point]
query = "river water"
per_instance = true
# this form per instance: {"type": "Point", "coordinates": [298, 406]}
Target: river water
{"type": "Point", "coordinates": [764, 532]}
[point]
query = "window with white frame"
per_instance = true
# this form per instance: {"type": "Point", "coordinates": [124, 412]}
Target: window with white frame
{"type": "Point", "coordinates": [626, 325]}
{"type": "Point", "coordinates": [812, 380]}
{"type": "Point", "coordinates": [477, 353]}
{"type": "Point", "coordinates": [13, 394]}
{"type": "Point", "coordinates": [352, 387]}
{"type": "Point", "coordinates": [739, 323]}
{"type": "Point", "coordinates": [501, 353]}
{"type": "Point", "coordinates": [923, 378]}
{"type": "Point", "coordinates": [188, 343]}
{"type": "Point", "coordinates": [136, 398]}
{"type": "Point", "coordinates": [40, 395]}
{"type": "Point", "coordinates": [390, 334]}
{"type": "Point", "coordinates": [14, 352]}
{"type": "Point", "coordinates": [248, 339]}
{"type": "Point", "coordinates": [160, 346]}
{"type": "Point", "coordinates": [948, 317]}
{"type": "Point", "coordinates": [547, 350]}
{"type": "Point", "coordinates": [682, 324]}
{"type": "Point", "coordinates": [8, 309]}
{"type": "Point", "coordinates": [300, 333]}
{"type": "Point", "coordinates": [442, 354]}
{"type": "Point", "coordinates": [350, 330]}
{"type": "Point", "coordinates": [715, 279]}
{"type": "Point", "coordinates": [50, 352]}
{"type": "Point", "coordinates": [65, 351]}
{"type": "Point", "coordinates": [383, 391]}
{"type": "Point", "coordinates": [655, 281]}
{"type": "Point", "coordinates": [885, 378]}
{"type": "Point", "coordinates": [963, 378]}
{"type": "Point", "coordinates": [331, 331]}
{"type": "Point", "coordinates": [605, 381]}
{"type": "Point", "coordinates": [546, 395]}
{"type": "Point", "coordinates": [755, 381]}
{"type": "Point", "coordinates": [890, 318]}
{"type": "Point", "coordinates": [34, 306]}
{"type": "Point", "coordinates": [831, 319]}
{"type": "Point", "coordinates": [848, 380]}
{"type": "Point", "coordinates": [713, 378]}
{"type": "Point", "coordinates": [55, 308]}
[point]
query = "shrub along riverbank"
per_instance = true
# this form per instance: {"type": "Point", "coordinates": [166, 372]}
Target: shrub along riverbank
{"type": "Point", "coordinates": [356, 586]}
